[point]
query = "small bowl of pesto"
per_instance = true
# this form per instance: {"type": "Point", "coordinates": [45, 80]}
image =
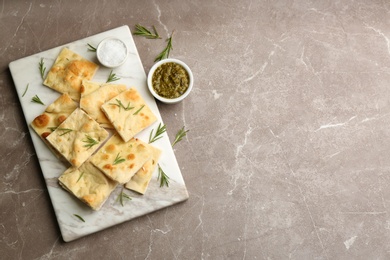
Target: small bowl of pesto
{"type": "Point", "coordinates": [170, 80]}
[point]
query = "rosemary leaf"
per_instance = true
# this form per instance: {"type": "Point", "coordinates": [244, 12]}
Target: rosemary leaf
{"type": "Point", "coordinates": [118, 159]}
{"type": "Point", "coordinates": [123, 196]}
{"type": "Point", "coordinates": [37, 100]}
{"type": "Point", "coordinates": [89, 141]}
{"type": "Point", "coordinates": [165, 53]}
{"type": "Point", "coordinates": [160, 130]}
{"type": "Point", "coordinates": [179, 135]}
{"type": "Point", "coordinates": [112, 77]}
{"type": "Point", "coordinates": [25, 91]}
{"type": "Point", "coordinates": [91, 48]}
{"type": "Point", "coordinates": [42, 68]}
{"type": "Point", "coordinates": [79, 217]}
{"type": "Point", "coordinates": [142, 31]}
{"type": "Point", "coordinates": [66, 130]}
{"type": "Point", "coordinates": [120, 105]}
{"type": "Point", "coordinates": [162, 177]}
{"type": "Point", "coordinates": [81, 175]}
{"type": "Point", "coordinates": [136, 112]}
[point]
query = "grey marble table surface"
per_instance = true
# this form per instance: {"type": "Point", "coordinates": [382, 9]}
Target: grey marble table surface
{"type": "Point", "coordinates": [287, 154]}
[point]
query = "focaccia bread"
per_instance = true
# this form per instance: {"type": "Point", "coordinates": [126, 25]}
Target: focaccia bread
{"type": "Point", "coordinates": [78, 137]}
{"type": "Point", "coordinates": [54, 115]}
{"type": "Point", "coordinates": [94, 95]}
{"type": "Point", "coordinates": [67, 73]}
{"type": "Point", "coordinates": [88, 184]}
{"type": "Point", "coordinates": [120, 160]}
{"type": "Point", "coordinates": [140, 181]}
{"type": "Point", "coordinates": [128, 113]}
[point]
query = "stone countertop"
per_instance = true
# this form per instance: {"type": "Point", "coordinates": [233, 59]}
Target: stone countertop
{"type": "Point", "coordinates": [289, 118]}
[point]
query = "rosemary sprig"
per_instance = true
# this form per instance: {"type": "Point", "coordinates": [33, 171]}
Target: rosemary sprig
{"type": "Point", "coordinates": [42, 68]}
{"type": "Point", "coordinates": [37, 100]}
{"type": "Point", "coordinates": [25, 91]}
{"type": "Point", "coordinates": [136, 112]}
{"type": "Point", "coordinates": [81, 175]}
{"type": "Point", "coordinates": [66, 130]}
{"type": "Point", "coordinates": [179, 135]}
{"type": "Point", "coordinates": [120, 105]}
{"type": "Point", "coordinates": [123, 196]}
{"type": "Point", "coordinates": [91, 48]}
{"type": "Point", "coordinates": [89, 141]}
{"type": "Point", "coordinates": [118, 159]}
{"type": "Point", "coordinates": [162, 177]}
{"type": "Point", "coordinates": [142, 31]}
{"type": "Point", "coordinates": [112, 77]}
{"type": "Point", "coordinates": [165, 53]}
{"type": "Point", "coordinates": [52, 128]}
{"type": "Point", "coordinates": [79, 217]}
{"type": "Point", "coordinates": [160, 130]}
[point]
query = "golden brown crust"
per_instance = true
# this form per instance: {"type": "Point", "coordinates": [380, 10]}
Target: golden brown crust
{"type": "Point", "coordinates": [132, 95]}
{"type": "Point", "coordinates": [120, 160]}
{"type": "Point", "coordinates": [67, 73]}
{"type": "Point", "coordinates": [41, 120]}
{"type": "Point", "coordinates": [45, 134]}
{"type": "Point", "coordinates": [61, 119]}
{"type": "Point", "coordinates": [53, 116]}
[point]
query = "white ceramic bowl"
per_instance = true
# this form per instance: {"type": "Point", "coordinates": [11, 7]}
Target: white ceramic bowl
{"type": "Point", "coordinates": [112, 52]}
{"type": "Point", "coordinates": [170, 100]}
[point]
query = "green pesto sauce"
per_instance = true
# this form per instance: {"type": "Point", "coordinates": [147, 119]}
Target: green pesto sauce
{"type": "Point", "coordinates": [170, 80]}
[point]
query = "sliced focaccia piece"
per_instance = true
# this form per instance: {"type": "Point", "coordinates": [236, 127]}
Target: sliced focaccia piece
{"type": "Point", "coordinates": [68, 71]}
{"type": "Point", "coordinates": [120, 160]}
{"type": "Point", "coordinates": [54, 115]}
{"type": "Point", "coordinates": [128, 113]}
{"type": "Point", "coordinates": [140, 181]}
{"type": "Point", "coordinates": [78, 137]}
{"type": "Point", "coordinates": [94, 95]}
{"type": "Point", "coordinates": [88, 184]}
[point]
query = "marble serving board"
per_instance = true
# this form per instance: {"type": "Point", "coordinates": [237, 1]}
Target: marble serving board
{"type": "Point", "coordinates": [25, 72]}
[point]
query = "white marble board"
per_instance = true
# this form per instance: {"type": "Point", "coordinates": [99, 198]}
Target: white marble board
{"type": "Point", "coordinates": [25, 72]}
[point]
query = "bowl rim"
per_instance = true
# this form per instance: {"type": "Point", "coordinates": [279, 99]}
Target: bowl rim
{"type": "Point", "coordinates": [170, 100]}
{"type": "Point", "coordinates": [100, 46]}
